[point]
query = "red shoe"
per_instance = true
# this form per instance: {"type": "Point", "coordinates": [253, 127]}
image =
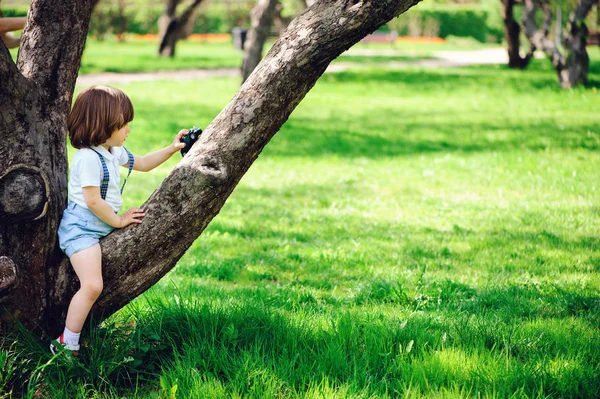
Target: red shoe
{"type": "Point", "coordinates": [61, 340]}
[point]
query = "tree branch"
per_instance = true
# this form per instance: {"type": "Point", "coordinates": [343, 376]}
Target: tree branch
{"type": "Point", "coordinates": [185, 15]}
{"type": "Point", "coordinates": [8, 70]}
{"type": "Point", "coordinates": [15, 91]}
{"type": "Point", "coordinates": [51, 48]}
{"type": "Point", "coordinates": [582, 10]}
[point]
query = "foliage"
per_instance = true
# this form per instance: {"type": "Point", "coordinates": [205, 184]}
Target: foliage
{"type": "Point", "coordinates": [473, 21]}
{"type": "Point", "coordinates": [481, 22]}
{"type": "Point", "coordinates": [212, 18]}
{"type": "Point", "coordinates": [408, 233]}
{"type": "Point", "coordinates": [15, 11]}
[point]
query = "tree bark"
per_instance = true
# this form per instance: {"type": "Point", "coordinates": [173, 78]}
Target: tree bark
{"type": "Point", "coordinates": [261, 18]}
{"type": "Point", "coordinates": [172, 28]}
{"type": "Point", "coordinates": [571, 69]}
{"type": "Point", "coordinates": [193, 193]}
{"type": "Point", "coordinates": [36, 96]}
{"type": "Point", "coordinates": [512, 33]}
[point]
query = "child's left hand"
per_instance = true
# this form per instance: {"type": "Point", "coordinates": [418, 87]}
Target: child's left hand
{"type": "Point", "coordinates": [177, 144]}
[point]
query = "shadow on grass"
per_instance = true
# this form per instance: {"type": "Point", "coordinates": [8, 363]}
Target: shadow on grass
{"type": "Point", "coordinates": [384, 129]}
{"type": "Point", "coordinates": [361, 139]}
{"type": "Point", "coordinates": [425, 80]}
{"type": "Point", "coordinates": [532, 270]}
{"type": "Point", "coordinates": [379, 59]}
{"type": "Point", "coordinates": [540, 75]}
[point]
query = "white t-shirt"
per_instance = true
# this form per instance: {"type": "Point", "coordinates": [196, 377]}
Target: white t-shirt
{"type": "Point", "coordinates": [86, 170]}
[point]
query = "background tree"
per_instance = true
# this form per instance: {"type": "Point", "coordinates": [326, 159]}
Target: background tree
{"type": "Point", "coordinates": [571, 67]}
{"type": "Point", "coordinates": [512, 35]}
{"type": "Point", "coordinates": [36, 280]}
{"type": "Point", "coordinates": [261, 18]}
{"type": "Point", "coordinates": [171, 27]}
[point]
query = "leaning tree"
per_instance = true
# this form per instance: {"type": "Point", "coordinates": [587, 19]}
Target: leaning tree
{"type": "Point", "coordinates": [172, 27]}
{"type": "Point", "coordinates": [36, 280]}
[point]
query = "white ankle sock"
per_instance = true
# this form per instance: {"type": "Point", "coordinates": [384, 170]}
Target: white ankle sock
{"type": "Point", "coordinates": [70, 337]}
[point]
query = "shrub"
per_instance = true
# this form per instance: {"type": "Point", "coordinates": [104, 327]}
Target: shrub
{"type": "Point", "coordinates": [444, 21]}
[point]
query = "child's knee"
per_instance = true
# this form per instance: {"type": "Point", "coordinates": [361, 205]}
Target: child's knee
{"type": "Point", "coordinates": [93, 288]}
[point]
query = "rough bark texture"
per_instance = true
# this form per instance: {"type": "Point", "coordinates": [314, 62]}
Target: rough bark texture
{"type": "Point", "coordinates": [512, 33]}
{"type": "Point", "coordinates": [173, 28]}
{"type": "Point", "coordinates": [571, 68]}
{"type": "Point", "coordinates": [261, 19]}
{"type": "Point", "coordinates": [136, 257]}
{"type": "Point", "coordinates": [36, 96]}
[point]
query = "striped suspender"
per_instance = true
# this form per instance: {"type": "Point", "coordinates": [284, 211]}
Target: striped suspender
{"type": "Point", "coordinates": [106, 176]}
{"type": "Point", "coordinates": [130, 156]}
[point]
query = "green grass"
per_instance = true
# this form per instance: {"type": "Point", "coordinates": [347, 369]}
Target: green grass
{"type": "Point", "coordinates": [111, 55]}
{"type": "Point", "coordinates": [408, 233]}
{"type": "Point", "coordinates": [137, 56]}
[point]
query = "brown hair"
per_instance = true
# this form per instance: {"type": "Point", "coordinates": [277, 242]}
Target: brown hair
{"type": "Point", "coordinates": [98, 111]}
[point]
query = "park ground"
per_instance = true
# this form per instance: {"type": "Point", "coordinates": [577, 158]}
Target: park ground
{"type": "Point", "coordinates": [412, 231]}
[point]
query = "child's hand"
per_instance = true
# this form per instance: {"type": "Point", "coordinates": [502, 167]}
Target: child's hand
{"type": "Point", "coordinates": [133, 215]}
{"type": "Point", "coordinates": [177, 144]}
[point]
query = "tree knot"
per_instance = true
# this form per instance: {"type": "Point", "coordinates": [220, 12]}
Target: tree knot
{"type": "Point", "coordinates": [24, 194]}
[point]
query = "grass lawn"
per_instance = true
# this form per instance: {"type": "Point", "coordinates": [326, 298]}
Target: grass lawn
{"type": "Point", "coordinates": [137, 56]}
{"type": "Point", "coordinates": [408, 233]}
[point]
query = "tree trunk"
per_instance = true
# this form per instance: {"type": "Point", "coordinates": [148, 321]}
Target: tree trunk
{"type": "Point", "coordinates": [512, 33]}
{"type": "Point", "coordinates": [122, 18]}
{"type": "Point", "coordinates": [261, 18]}
{"type": "Point", "coordinates": [571, 69]}
{"type": "Point", "coordinates": [36, 96]}
{"type": "Point", "coordinates": [166, 17]}
{"type": "Point", "coordinates": [37, 281]}
{"type": "Point", "coordinates": [172, 28]}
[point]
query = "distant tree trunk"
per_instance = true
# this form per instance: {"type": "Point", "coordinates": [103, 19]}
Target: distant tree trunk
{"type": "Point", "coordinates": [261, 18]}
{"type": "Point", "coordinates": [278, 20]}
{"type": "Point", "coordinates": [36, 280]}
{"type": "Point", "coordinates": [172, 28]}
{"type": "Point", "coordinates": [188, 29]}
{"type": "Point", "coordinates": [122, 20]}
{"type": "Point", "coordinates": [572, 69]}
{"type": "Point", "coordinates": [512, 33]}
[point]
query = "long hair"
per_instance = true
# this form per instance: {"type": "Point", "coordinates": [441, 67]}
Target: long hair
{"type": "Point", "coordinates": [98, 111]}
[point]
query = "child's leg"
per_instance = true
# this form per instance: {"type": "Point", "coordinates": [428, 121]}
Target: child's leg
{"type": "Point", "coordinates": [88, 267]}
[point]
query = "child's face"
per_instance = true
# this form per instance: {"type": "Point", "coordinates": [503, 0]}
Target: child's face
{"type": "Point", "coordinates": [117, 138]}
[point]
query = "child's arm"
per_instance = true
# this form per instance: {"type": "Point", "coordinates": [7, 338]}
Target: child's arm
{"type": "Point", "coordinates": [151, 161]}
{"type": "Point", "coordinates": [104, 212]}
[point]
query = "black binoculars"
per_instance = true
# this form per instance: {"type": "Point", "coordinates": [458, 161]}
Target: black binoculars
{"type": "Point", "coordinates": [189, 139]}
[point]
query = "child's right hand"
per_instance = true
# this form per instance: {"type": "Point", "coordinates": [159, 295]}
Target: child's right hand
{"type": "Point", "coordinates": [133, 215]}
